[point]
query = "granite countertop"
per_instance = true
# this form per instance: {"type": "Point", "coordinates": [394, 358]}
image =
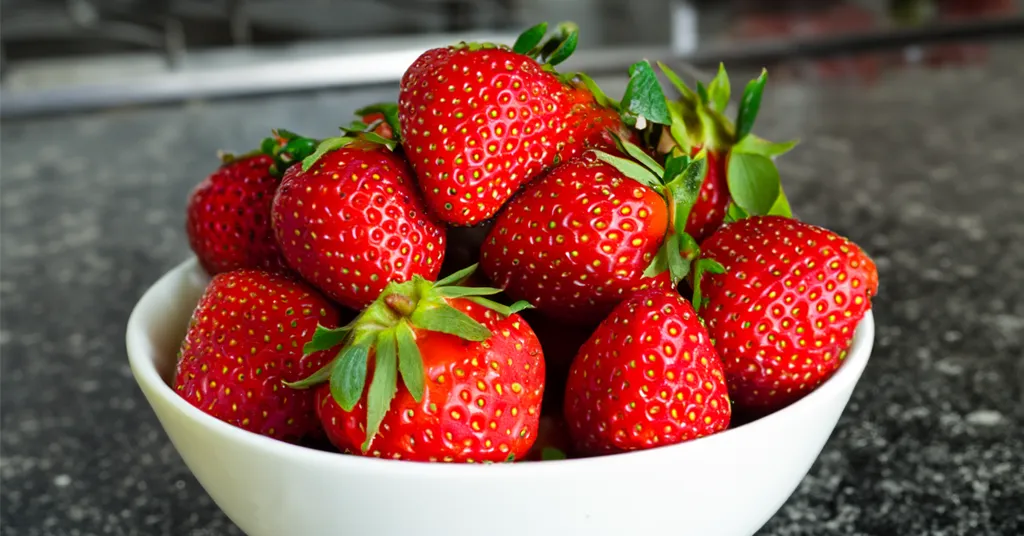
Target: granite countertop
{"type": "Point", "coordinates": [921, 167]}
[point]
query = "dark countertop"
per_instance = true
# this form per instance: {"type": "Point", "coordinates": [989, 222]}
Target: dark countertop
{"type": "Point", "coordinates": [920, 167]}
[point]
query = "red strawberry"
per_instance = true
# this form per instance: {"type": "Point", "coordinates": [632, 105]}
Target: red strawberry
{"type": "Point", "coordinates": [349, 220]}
{"type": "Point", "coordinates": [741, 175]}
{"type": "Point", "coordinates": [228, 213]}
{"type": "Point", "coordinates": [480, 120]}
{"type": "Point", "coordinates": [784, 311]}
{"type": "Point", "coordinates": [244, 340]}
{"type": "Point", "coordinates": [594, 230]}
{"type": "Point", "coordinates": [577, 241]}
{"type": "Point", "coordinates": [472, 377]}
{"type": "Point", "coordinates": [647, 377]}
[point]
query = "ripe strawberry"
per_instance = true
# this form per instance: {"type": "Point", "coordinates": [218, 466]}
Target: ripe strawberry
{"type": "Point", "coordinates": [228, 213]}
{"type": "Point", "coordinates": [244, 340]}
{"type": "Point", "coordinates": [472, 376]}
{"type": "Point", "coordinates": [480, 120]}
{"type": "Point", "coordinates": [784, 311]}
{"type": "Point", "coordinates": [594, 230]}
{"type": "Point", "coordinates": [647, 377]}
{"type": "Point", "coordinates": [349, 220]}
{"type": "Point", "coordinates": [577, 241]}
{"type": "Point", "coordinates": [742, 178]}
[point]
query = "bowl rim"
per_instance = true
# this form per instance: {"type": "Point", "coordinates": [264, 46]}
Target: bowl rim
{"type": "Point", "coordinates": [142, 359]}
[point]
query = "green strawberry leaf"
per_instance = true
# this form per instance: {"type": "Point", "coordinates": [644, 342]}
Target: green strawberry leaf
{"type": "Point", "coordinates": [702, 92]}
{"type": "Point", "coordinates": [349, 376]}
{"type": "Point", "coordinates": [460, 292]}
{"type": "Point", "coordinates": [677, 267]}
{"type": "Point", "coordinates": [511, 458]}
{"type": "Point", "coordinates": [735, 213]}
{"type": "Point", "coordinates": [752, 144]}
{"type": "Point", "coordinates": [703, 265]}
{"type": "Point", "coordinates": [529, 39]}
{"type": "Point", "coordinates": [599, 95]}
{"type": "Point", "coordinates": [660, 262]}
{"type": "Point", "coordinates": [444, 318]}
{"type": "Point", "coordinates": [718, 90]}
{"type": "Point", "coordinates": [753, 182]}
{"type": "Point", "coordinates": [268, 146]}
{"type": "Point", "coordinates": [678, 127]}
{"type": "Point", "coordinates": [377, 138]}
{"type": "Point", "coordinates": [750, 105]}
{"type": "Point", "coordinates": [383, 386]}
{"type": "Point", "coordinates": [644, 97]}
{"type": "Point", "coordinates": [675, 164]}
{"type": "Point", "coordinates": [688, 247]}
{"type": "Point", "coordinates": [326, 146]}
{"type": "Point", "coordinates": [630, 169]}
{"type": "Point", "coordinates": [504, 310]}
{"type": "Point", "coordinates": [781, 206]}
{"type": "Point", "coordinates": [410, 362]}
{"type": "Point", "coordinates": [685, 188]}
{"type": "Point", "coordinates": [285, 134]}
{"type": "Point", "coordinates": [640, 156]}
{"type": "Point", "coordinates": [388, 109]}
{"type": "Point", "coordinates": [320, 376]}
{"type": "Point", "coordinates": [457, 276]}
{"type": "Point", "coordinates": [681, 86]}
{"type": "Point", "coordinates": [562, 44]}
{"type": "Point", "coordinates": [712, 128]}
{"type": "Point", "coordinates": [326, 338]}
{"type": "Point", "coordinates": [551, 454]}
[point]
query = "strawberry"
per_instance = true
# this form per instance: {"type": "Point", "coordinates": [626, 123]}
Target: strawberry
{"type": "Point", "coordinates": [647, 377]}
{"type": "Point", "coordinates": [577, 241]}
{"type": "Point", "coordinates": [350, 219]}
{"type": "Point", "coordinates": [741, 175]}
{"type": "Point", "coordinates": [228, 213]}
{"type": "Point", "coordinates": [594, 230]}
{"type": "Point", "coordinates": [784, 308]}
{"type": "Point", "coordinates": [472, 376]}
{"type": "Point", "coordinates": [244, 340]}
{"type": "Point", "coordinates": [479, 120]}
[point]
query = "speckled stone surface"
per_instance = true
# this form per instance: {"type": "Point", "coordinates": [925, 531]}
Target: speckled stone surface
{"type": "Point", "coordinates": [922, 168]}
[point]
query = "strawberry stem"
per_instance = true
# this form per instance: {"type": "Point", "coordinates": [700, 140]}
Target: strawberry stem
{"type": "Point", "coordinates": [401, 305]}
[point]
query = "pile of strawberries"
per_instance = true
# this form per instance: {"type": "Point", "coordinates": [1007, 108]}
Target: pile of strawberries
{"type": "Point", "coordinates": [508, 264]}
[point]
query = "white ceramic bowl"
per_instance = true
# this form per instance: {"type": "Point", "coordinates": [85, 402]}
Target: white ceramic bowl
{"type": "Point", "coordinates": [728, 484]}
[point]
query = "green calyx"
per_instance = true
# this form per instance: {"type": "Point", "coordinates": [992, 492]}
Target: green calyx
{"type": "Point", "coordinates": [358, 130]}
{"type": "Point", "coordinates": [284, 146]}
{"type": "Point", "coordinates": [643, 103]}
{"type": "Point", "coordinates": [387, 329]}
{"type": "Point", "coordinates": [679, 181]}
{"type": "Point", "coordinates": [552, 51]}
{"type": "Point", "coordinates": [389, 111]}
{"type": "Point", "coordinates": [699, 121]}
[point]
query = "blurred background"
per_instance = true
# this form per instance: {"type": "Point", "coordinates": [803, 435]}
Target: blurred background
{"type": "Point", "coordinates": [910, 118]}
{"type": "Point", "coordinates": [70, 54]}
